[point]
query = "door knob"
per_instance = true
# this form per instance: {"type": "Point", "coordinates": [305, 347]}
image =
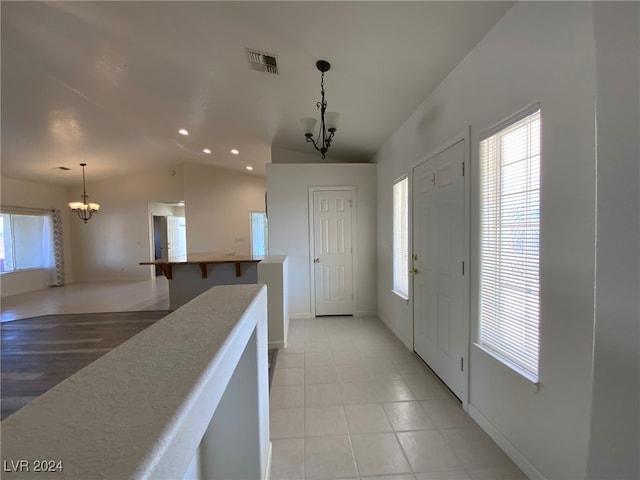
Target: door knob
{"type": "Point", "coordinates": [317, 260]}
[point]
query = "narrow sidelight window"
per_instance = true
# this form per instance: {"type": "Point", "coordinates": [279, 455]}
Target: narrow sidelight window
{"type": "Point", "coordinates": [510, 243]}
{"type": "Point", "coordinates": [401, 238]}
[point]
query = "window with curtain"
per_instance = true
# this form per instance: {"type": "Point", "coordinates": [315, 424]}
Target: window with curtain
{"type": "Point", "coordinates": [22, 246]}
{"type": "Point", "coordinates": [401, 238]}
{"type": "Point", "coordinates": [510, 242]}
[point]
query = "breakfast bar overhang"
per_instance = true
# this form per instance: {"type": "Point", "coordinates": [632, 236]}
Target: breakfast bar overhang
{"type": "Point", "coordinates": [192, 274]}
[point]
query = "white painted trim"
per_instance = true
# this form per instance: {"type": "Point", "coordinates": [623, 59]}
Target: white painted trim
{"type": "Point", "coordinates": [467, 255]}
{"type": "Point", "coordinates": [300, 316]}
{"type": "Point", "coordinates": [278, 344]}
{"type": "Point", "coordinates": [152, 250]}
{"type": "Point", "coordinates": [463, 136]}
{"type": "Point", "coordinates": [512, 452]}
{"type": "Point", "coordinates": [354, 243]}
{"type": "Point", "coordinates": [266, 475]}
{"type": "Point", "coordinates": [516, 117]}
{"type": "Point", "coordinates": [365, 313]}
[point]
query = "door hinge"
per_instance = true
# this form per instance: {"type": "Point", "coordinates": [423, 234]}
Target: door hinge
{"type": "Point", "coordinates": [463, 169]}
{"type": "Point", "coordinates": [461, 364]}
{"type": "Point", "coordinates": [463, 267]}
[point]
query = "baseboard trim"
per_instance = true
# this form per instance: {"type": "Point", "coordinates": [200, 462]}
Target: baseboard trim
{"type": "Point", "coordinates": [277, 344]}
{"type": "Point", "coordinates": [512, 452]}
{"type": "Point", "coordinates": [407, 343]}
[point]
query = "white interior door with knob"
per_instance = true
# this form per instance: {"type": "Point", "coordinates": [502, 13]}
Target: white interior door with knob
{"type": "Point", "coordinates": [332, 251]}
{"type": "Point", "coordinates": [176, 236]}
{"type": "Point", "coordinates": [439, 252]}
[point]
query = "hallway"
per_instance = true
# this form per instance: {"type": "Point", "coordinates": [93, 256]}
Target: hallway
{"type": "Point", "coordinates": [350, 401]}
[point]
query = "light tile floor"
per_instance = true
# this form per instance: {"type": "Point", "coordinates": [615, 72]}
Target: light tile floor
{"type": "Point", "coordinates": [92, 297]}
{"type": "Point", "coordinates": [350, 401]}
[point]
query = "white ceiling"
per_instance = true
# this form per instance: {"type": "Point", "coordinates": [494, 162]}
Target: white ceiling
{"type": "Point", "coordinates": [110, 83]}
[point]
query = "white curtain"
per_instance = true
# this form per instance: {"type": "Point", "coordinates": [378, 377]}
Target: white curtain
{"type": "Point", "coordinates": [52, 249]}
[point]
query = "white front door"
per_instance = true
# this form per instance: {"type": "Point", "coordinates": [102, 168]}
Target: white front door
{"type": "Point", "coordinates": [176, 236]}
{"type": "Point", "coordinates": [332, 251]}
{"type": "Point", "coordinates": [439, 286]}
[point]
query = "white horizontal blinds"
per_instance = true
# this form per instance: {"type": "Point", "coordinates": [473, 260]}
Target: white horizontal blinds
{"type": "Point", "coordinates": [510, 239]}
{"type": "Point", "coordinates": [401, 237]}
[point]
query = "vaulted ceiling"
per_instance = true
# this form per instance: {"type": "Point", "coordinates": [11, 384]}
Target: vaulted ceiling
{"type": "Point", "coordinates": [111, 83]}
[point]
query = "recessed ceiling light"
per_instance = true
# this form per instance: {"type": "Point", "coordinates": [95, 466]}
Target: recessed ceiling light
{"type": "Point", "coordinates": [206, 150]}
{"type": "Point", "coordinates": [235, 152]}
{"type": "Point", "coordinates": [249, 167]}
{"type": "Point", "coordinates": [183, 131]}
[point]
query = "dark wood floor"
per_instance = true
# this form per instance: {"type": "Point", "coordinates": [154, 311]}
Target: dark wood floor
{"type": "Point", "coordinates": [38, 353]}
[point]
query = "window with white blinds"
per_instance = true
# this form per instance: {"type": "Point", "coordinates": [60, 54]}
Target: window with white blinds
{"type": "Point", "coordinates": [401, 237]}
{"type": "Point", "coordinates": [510, 243]}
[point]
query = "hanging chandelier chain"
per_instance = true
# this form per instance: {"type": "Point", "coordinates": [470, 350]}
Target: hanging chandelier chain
{"type": "Point", "coordinates": [84, 187]}
{"type": "Point", "coordinates": [323, 136]}
{"type": "Point", "coordinates": [84, 210]}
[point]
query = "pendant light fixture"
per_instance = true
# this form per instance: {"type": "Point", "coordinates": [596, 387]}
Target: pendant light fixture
{"type": "Point", "coordinates": [84, 210]}
{"type": "Point", "coordinates": [327, 123]}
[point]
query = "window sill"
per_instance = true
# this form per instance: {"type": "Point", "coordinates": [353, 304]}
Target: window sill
{"type": "Point", "coordinates": [531, 379]}
{"type": "Point", "coordinates": [8, 272]}
{"type": "Point", "coordinates": [401, 295]}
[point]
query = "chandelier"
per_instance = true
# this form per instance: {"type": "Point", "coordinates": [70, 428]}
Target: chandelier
{"type": "Point", "coordinates": [84, 210]}
{"type": "Point", "coordinates": [327, 124]}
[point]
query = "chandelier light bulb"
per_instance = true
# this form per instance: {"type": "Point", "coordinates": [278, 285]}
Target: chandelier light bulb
{"type": "Point", "coordinates": [331, 120]}
{"type": "Point", "coordinates": [309, 125]}
{"type": "Point", "coordinates": [84, 209]}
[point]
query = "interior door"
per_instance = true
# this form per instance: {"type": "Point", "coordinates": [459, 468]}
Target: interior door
{"type": "Point", "coordinates": [176, 236]}
{"type": "Point", "coordinates": [333, 252]}
{"type": "Point", "coordinates": [159, 239]}
{"type": "Point", "coordinates": [259, 233]}
{"type": "Point", "coordinates": [439, 286]}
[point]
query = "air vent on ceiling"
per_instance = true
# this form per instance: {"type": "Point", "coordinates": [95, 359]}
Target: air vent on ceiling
{"type": "Point", "coordinates": [261, 61]}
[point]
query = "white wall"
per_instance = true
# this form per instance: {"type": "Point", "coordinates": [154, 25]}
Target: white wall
{"type": "Point", "coordinates": [539, 52]}
{"type": "Point", "coordinates": [218, 203]}
{"type": "Point", "coordinates": [35, 195]}
{"type": "Point", "coordinates": [110, 246]}
{"type": "Point", "coordinates": [310, 155]}
{"type": "Point", "coordinates": [288, 214]}
{"type": "Point", "coordinates": [614, 450]}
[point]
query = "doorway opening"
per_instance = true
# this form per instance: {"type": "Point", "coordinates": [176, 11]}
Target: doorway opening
{"type": "Point", "coordinates": [168, 231]}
